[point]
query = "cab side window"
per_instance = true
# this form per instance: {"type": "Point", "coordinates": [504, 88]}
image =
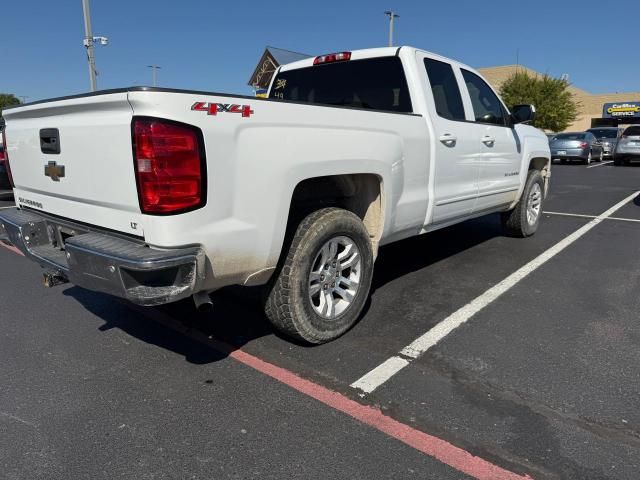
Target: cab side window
{"type": "Point", "coordinates": [487, 108]}
{"type": "Point", "coordinates": [444, 86]}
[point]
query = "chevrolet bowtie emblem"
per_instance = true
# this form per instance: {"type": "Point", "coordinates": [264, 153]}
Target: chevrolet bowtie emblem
{"type": "Point", "coordinates": [54, 171]}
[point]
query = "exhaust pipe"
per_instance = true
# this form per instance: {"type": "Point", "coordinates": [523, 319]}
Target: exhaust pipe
{"type": "Point", "coordinates": [51, 279]}
{"type": "Point", "coordinates": [203, 302]}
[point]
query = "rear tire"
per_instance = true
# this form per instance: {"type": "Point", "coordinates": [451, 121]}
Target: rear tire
{"type": "Point", "coordinates": [323, 280]}
{"type": "Point", "coordinates": [588, 160]}
{"type": "Point", "coordinates": [524, 219]}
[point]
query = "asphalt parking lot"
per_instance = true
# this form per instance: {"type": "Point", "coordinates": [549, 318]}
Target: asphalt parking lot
{"type": "Point", "coordinates": [541, 381]}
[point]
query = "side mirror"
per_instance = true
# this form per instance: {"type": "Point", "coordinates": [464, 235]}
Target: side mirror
{"type": "Point", "coordinates": [523, 114]}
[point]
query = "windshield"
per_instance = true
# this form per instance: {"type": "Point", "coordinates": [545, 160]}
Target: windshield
{"type": "Point", "coordinates": [604, 132]}
{"type": "Point", "coordinates": [632, 132]}
{"type": "Point", "coordinates": [570, 136]}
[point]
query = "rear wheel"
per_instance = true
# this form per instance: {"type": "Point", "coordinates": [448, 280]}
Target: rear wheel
{"type": "Point", "coordinates": [524, 219]}
{"type": "Point", "coordinates": [323, 282]}
{"type": "Point", "coordinates": [589, 157]}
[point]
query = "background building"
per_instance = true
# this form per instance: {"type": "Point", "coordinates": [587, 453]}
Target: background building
{"type": "Point", "coordinates": [271, 59]}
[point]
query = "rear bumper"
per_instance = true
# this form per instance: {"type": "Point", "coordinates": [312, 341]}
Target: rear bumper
{"type": "Point", "coordinates": [105, 262]}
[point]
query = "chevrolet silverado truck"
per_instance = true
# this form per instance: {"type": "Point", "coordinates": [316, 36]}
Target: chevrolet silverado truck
{"type": "Point", "coordinates": [155, 195]}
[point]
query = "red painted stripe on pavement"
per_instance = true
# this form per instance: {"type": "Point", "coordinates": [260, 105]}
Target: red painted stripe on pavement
{"type": "Point", "coordinates": [442, 450]}
{"type": "Point", "coordinates": [11, 248]}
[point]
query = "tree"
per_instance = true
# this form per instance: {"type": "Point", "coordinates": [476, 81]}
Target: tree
{"type": "Point", "coordinates": [7, 100]}
{"type": "Point", "coordinates": [555, 107]}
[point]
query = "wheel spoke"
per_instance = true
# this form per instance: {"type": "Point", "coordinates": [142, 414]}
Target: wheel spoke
{"type": "Point", "coordinates": [346, 252]}
{"type": "Point", "coordinates": [325, 255]}
{"type": "Point", "coordinates": [344, 294]}
{"type": "Point", "coordinates": [333, 251]}
{"type": "Point", "coordinates": [326, 303]}
{"type": "Point", "coordinates": [314, 277]}
{"type": "Point", "coordinates": [347, 282]}
{"type": "Point", "coordinates": [351, 261]}
{"type": "Point", "coordinates": [314, 289]}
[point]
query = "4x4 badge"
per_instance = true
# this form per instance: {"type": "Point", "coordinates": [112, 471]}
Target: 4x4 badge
{"type": "Point", "coordinates": [215, 108]}
{"type": "Point", "coordinates": [54, 171]}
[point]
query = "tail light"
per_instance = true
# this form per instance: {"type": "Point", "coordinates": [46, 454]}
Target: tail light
{"type": "Point", "coordinates": [170, 166]}
{"type": "Point", "coordinates": [4, 157]}
{"type": "Point", "coordinates": [584, 144]}
{"type": "Point", "coordinates": [332, 57]}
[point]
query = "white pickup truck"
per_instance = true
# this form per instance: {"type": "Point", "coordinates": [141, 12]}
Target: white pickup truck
{"type": "Point", "coordinates": [154, 194]}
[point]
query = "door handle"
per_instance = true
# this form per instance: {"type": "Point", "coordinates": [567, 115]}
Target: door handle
{"type": "Point", "coordinates": [448, 139]}
{"type": "Point", "coordinates": [488, 140]}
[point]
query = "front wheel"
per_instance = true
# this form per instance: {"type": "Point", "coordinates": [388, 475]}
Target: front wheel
{"type": "Point", "coordinates": [322, 284]}
{"type": "Point", "coordinates": [524, 219]}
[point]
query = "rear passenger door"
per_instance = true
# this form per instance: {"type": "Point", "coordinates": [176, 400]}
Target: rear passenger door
{"type": "Point", "coordinates": [456, 171]}
{"type": "Point", "coordinates": [499, 159]}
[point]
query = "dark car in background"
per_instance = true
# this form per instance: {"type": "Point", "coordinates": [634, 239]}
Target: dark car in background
{"type": "Point", "coordinates": [582, 146]}
{"type": "Point", "coordinates": [628, 147]}
{"type": "Point", "coordinates": [608, 137]}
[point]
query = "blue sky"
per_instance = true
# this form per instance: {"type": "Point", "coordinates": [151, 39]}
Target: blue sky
{"type": "Point", "coordinates": [214, 45]}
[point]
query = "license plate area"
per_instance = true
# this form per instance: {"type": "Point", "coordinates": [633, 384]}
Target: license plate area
{"type": "Point", "coordinates": [561, 152]}
{"type": "Point", "coordinates": [58, 234]}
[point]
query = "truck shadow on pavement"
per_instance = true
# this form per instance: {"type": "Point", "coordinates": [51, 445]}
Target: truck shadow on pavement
{"type": "Point", "coordinates": [237, 318]}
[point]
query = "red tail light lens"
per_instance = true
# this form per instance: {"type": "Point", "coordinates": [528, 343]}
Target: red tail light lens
{"type": "Point", "coordinates": [332, 57]}
{"type": "Point", "coordinates": [170, 166]}
{"type": "Point", "coordinates": [584, 145]}
{"type": "Point", "coordinates": [4, 157]}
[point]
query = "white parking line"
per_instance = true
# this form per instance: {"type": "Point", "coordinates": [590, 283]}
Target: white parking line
{"type": "Point", "coordinates": [12, 206]}
{"type": "Point", "coordinates": [620, 219]}
{"type": "Point", "coordinates": [383, 372]}
{"type": "Point", "coordinates": [600, 164]}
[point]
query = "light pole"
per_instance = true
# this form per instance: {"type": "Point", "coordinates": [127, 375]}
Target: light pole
{"type": "Point", "coordinates": [154, 69]}
{"type": "Point", "coordinates": [392, 15]}
{"type": "Point", "coordinates": [88, 42]}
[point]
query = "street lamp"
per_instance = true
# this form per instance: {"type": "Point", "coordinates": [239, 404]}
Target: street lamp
{"type": "Point", "coordinates": [89, 41]}
{"type": "Point", "coordinates": [154, 73]}
{"type": "Point", "coordinates": [392, 15]}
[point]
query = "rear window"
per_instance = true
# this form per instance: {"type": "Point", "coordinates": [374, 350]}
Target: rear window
{"type": "Point", "coordinates": [376, 84]}
{"type": "Point", "coordinates": [570, 136]}
{"type": "Point", "coordinates": [604, 132]}
{"type": "Point", "coordinates": [632, 132]}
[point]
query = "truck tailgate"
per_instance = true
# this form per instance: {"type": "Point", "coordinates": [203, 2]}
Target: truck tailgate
{"type": "Point", "coordinates": [73, 158]}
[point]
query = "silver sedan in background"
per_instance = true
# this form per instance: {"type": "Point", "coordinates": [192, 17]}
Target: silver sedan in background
{"type": "Point", "coordinates": [608, 137]}
{"type": "Point", "coordinates": [582, 146]}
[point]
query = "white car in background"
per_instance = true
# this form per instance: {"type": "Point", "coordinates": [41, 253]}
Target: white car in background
{"type": "Point", "coordinates": [628, 147]}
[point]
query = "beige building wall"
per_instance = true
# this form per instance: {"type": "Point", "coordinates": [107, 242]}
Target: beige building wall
{"type": "Point", "coordinates": [590, 104]}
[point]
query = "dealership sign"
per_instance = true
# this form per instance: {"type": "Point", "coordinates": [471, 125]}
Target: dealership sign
{"type": "Point", "coordinates": [621, 110]}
